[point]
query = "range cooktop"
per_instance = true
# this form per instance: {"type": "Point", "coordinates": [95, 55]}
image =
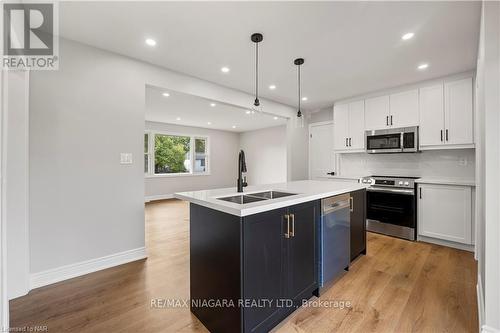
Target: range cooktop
{"type": "Point", "coordinates": [405, 177]}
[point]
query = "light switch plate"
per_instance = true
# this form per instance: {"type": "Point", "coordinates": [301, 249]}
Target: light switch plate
{"type": "Point", "coordinates": [125, 158]}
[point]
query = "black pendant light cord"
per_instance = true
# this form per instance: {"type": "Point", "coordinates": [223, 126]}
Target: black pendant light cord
{"type": "Point", "coordinates": [256, 38]}
{"type": "Point", "coordinates": [299, 112]}
{"type": "Point", "coordinates": [299, 62]}
{"type": "Point", "coordinates": [257, 74]}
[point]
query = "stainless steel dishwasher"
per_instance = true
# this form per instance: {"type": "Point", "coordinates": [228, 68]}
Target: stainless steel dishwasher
{"type": "Point", "coordinates": [335, 239]}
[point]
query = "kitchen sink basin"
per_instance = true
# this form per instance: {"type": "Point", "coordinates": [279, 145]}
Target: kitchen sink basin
{"type": "Point", "coordinates": [271, 194]}
{"type": "Point", "coordinates": [254, 197]}
{"type": "Point", "coordinates": [242, 199]}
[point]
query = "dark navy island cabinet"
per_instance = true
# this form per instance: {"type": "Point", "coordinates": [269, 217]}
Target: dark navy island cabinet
{"type": "Point", "coordinates": [265, 263]}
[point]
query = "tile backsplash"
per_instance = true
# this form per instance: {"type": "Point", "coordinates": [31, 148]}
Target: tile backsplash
{"type": "Point", "coordinates": [450, 163]}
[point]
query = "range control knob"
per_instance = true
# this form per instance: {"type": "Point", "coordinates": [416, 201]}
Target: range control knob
{"type": "Point", "coordinates": [407, 184]}
{"type": "Point", "coordinates": [400, 183]}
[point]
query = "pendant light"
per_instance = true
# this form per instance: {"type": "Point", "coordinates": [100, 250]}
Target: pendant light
{"type": "Point", "coordinates": [299, 121]}
{"type": "Point", "coordinates": [256, 39]}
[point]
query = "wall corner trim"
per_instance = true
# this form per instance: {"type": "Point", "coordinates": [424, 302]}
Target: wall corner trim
{"type": "Point", "coordinates": [480, 300]}
{"type": "Point", "coordinates": [58, 274]}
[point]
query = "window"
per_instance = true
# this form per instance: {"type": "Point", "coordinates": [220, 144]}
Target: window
{"type": "Point", "coordinates": [200, 155]}
{"type": "Point", "coordinates": [175, 154]}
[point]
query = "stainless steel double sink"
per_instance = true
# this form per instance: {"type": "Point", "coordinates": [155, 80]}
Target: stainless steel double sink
{"type": "Point", "coordinates": [254, 197]}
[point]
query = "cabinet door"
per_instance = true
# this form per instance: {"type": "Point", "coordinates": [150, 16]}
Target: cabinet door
{"type": "Point", "coordinates": [458, 112]}
{"type": "Point", "coordinates": [431, 108]}
{"type": "Point", "coordinates": [264, 267]}
{"type": "Point", "coordinates": [404, 109]}
{"type": "Point", "coordinates": [302, 272]}
{"type": "Point", "coordinates": [358, 223]}
{"type": "Point", "coordinates": [340, 126]}
{"type": "Point", "coordinates": [357, 125]}
{"type": "Point", "coordinates": [377, 113]}
{"type": "Point", "coordinates": [444, 212]}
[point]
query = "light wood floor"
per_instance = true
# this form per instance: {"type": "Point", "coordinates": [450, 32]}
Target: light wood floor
{"type": "Point", "coordinates": [399, 286]}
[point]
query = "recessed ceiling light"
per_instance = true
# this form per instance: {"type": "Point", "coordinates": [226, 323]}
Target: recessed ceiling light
{"type": "Point", "coordinates": [225, 69]}
{"type": "Point", "coordinates": [209, 123]}
{"type": "Point", "coordinates": [150, 42]}
{"type": "Point", "coordinates": [407, 36]}
{"type": "Point", "coordinates": [166, 94]}
{"type": "Point", "coordinates": [275, 118]}
{"type": "Point", "coordinates": [423, 66]}
{"type": "Point", "coordinates": [272, 87]}
{"type": "Point", "coordinates": [304, 98]}
{"type": "Point", "coordinates": [178, 118]}
{"type": "Point", "coordinates": [248, 111]}
{"type": "Point", "coordinates": [213, 104]}
{"type": "Point", "coordinates": [234, 126]}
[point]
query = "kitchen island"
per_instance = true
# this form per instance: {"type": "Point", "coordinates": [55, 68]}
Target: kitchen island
{"type": "Point", "coordinates": [254, 256]}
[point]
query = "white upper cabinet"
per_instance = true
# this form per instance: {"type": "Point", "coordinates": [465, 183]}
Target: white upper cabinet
{"type": "Point", "coordinates": [446, 115]}
{"type": "Point", "coordinates": [403, 111]}
{"type": "Point", "coordinates": [377, 113]}
{"type": "Point", "coordinates": [431, 115]}
{"type": "Point", "coordinates": [341, 126]}
{"type": "Point", "coordinates": [349, 125]}
{"type": "Point", "coordinates": [357, 125]}
{"type": "Point", "coordinates": [458, 113]}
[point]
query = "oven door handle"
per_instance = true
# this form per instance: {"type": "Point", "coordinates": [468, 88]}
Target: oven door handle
{"type": "Point", "coordinates": [391, 190]}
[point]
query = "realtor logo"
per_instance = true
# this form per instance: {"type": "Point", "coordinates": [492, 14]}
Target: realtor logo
{"type": "Point", "coordinates": [29, 36]}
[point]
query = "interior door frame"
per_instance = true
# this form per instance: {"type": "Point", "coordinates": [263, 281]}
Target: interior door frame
{"type": "Point", "coordinates": [311, 125]}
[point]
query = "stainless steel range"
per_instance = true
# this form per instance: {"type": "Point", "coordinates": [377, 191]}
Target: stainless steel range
{"type": "Point", "coordinates": [391, 206]}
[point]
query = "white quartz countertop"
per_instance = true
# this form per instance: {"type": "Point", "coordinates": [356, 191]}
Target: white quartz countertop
{"type": "Point", "coordinates": [306, 190]}
{"type": "Point", "coordinates": [342, 177]}
{"type": "Point", "coordinates": [446, 181]}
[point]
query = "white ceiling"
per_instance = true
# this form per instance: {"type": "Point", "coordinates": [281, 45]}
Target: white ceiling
{"type": "Point", "coordinates": [196, 111]}
{"type": "Point", "coordinates": [349, 48]}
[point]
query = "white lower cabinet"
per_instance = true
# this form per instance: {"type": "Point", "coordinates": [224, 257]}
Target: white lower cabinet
{"type": "Point", "coordinates": [445, 212]}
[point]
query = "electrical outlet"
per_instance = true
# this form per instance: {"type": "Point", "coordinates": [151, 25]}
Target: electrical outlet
{"type": "Point", "coordinates": [125, 158]}
{"type": "Point", "coordinates": [462, 161]}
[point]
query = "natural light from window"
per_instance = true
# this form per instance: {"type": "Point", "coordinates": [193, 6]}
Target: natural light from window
{"type": "Point", "coordinates": [172, 154]}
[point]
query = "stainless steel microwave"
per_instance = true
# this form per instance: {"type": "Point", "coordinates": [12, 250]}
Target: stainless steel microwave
{"type": "Point", "coordinates": [394, 140]}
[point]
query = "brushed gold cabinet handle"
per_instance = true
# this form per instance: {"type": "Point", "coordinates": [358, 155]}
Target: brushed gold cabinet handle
{"type": "Point", "coordinates": [287, 233]}
{"type": "Point", "coordinates": [351, 204]}
{"type": "Point", "coordinates": [292, 232]}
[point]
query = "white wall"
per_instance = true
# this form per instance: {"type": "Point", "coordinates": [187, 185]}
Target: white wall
{"type": "Point", "coordinates": [297, 149]}
{"type": "Point", "coordinates": [265, 153]}
{"type": "Point", "coordinates": [4, 300]}
{"type": "Point", "coordinates": [17, 184]}
{"type": "Point", "coordinates": [490, 179]}
{"type": "Point", "coordinates": [223, 161]}
{"type": "Point", "coordinates": [459, 163]}
{"type": "Point", "coordinates": [323, 114]}
{"type": "Point", "coordinates": [84, 204]}
{"type": "Point", "coordinates": [480, 168]}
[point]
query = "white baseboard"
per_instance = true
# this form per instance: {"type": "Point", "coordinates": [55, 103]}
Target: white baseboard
{"type": "Point", "coordinates": [58, 274]}
{"type": "Point", "coordinates": [489, 329]}
{"type": "Point", "coordinates": [158, 197]}
{"type": "Point", "coordinates": [442, 242]}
